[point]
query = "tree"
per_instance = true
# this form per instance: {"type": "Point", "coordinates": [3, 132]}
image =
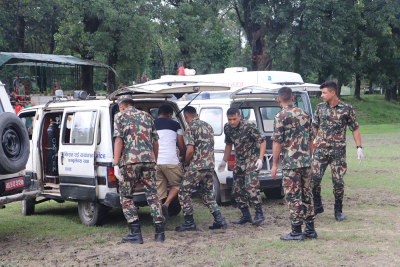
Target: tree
{"type": "Point", "coordinates": [105, 30]}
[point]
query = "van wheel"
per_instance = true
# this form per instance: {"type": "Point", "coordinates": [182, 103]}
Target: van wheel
{"type": "Point", "coordinates": [216, 189]}
{"type": "Point", "coordinates": [91, 213]}
{"type": "Point", "coordinates": [274, 193]}
{"type": "Point", "coordinates": [174, 207]}
{"type": "Point", "coordinates": [28, 206]}
{"type": "Point", "coordinates": [14, 147]}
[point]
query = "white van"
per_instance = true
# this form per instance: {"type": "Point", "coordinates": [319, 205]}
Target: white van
{"type": "Point", "coordinates": [257, 104]}
{"type": "Point", "coordinates": [238, 77]}
{"type": "Point", "coordinates": [14, 149]}
{"type": "Point", "coordinates": [71, 151]}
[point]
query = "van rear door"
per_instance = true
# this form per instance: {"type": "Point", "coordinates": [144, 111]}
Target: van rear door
{"type": "Point", "coordinates": [78, 139]}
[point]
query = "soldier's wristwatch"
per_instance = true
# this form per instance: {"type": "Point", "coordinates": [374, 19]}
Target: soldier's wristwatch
{"type": "Point", "coordinates": [115, 164]}
{"type": "Point", "coordinates": [360, 146]}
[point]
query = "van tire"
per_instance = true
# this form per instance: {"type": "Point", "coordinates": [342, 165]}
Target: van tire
{"type": "Point", "coordinates": [216, 189]}
{"type": "Point", "coordinates": [28, 206]}
{"type": "Point", "coordinates": [174, 207]}
{"type": "Point", "coordinates": [273, 193]}
{"type": "Point", "coordinates": [91, 213]}
{"type": "Point", "coordinates": [14, 146]}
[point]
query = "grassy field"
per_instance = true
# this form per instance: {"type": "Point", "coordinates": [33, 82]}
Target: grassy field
{"type": "Point", "coordinates": [372, 109]}
{"type": "Point", "coordinates": [370, 235]}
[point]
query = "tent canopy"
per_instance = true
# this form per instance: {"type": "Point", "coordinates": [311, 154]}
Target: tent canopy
{"type": "Point", "coordinates": [57, 59]}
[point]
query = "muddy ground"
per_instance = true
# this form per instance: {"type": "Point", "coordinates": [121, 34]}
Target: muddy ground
{"type": "Point", "coordinates": [245, 245]}
{"type": "Point", "coordinates": [370, 236]}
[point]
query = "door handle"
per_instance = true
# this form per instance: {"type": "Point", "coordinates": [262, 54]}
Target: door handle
{"type": "Point", "coordinates": [62, 158]}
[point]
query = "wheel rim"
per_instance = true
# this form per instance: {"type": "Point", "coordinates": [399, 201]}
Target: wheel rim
{"type": "Point", "coordinates": [214, 189]}
{"type": "Point", "coordinates": [88, 210]}
{"type": "Point", "coordinates": [11, 143]}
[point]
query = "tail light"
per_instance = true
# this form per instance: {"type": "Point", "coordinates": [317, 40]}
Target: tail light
{"type": "Point", "coordinates": [231, 162]}
{"type": "Point", "coordinates": [112, 180]}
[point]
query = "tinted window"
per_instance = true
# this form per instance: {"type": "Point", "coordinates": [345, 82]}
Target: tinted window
{"type": "Point", "coordinates": [248, 114]}
{"type": "Point", "coordinates": [212, 116]}
{"type": "Point", "coordinates": [27, 119]}
{"type": "Point", "coordinates": [80, 127]}
{"type": "Point", "coordinates": [154, 114]}
{"type": "Point", "coordinates": [267, 116]}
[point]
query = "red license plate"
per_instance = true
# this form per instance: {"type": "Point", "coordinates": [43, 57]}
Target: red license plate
{"type": "Point", "coordinates": [14, 183]}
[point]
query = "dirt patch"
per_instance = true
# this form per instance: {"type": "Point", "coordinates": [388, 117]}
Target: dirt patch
{"type": "Point", "coordinates": [239, 245]}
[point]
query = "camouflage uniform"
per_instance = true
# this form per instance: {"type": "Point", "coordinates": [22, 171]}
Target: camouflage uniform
{"type": "Point", "coordinates": [137, 161]}
{"type": "Point", "coordinates": [292, 129]}
{"type": "Point", "coordinates": [330, 145]}
{"type": "Point", "coordinates": [247, 139]}
{"type": "Point", "coordinates": [201, 167]}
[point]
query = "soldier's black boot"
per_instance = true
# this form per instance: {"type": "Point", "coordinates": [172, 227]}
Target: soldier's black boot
{"type": "Point", "coordinates": [338, 210]}
{"type": "Point", "coordinates": [309, 231]}
{"type": "Point", "coordinates": [295, 234]}
{"type": "Point", "coordinates": [219, 221]}
{"type": "Point", "coordinates": [259, 217]}
{"type": "Point", "coordinates": [159, 235]}
{"type": "Point", "coordinates": [135, 236]}
{"type": "Point", "coordinates": [246, 217]}
{"type": "Point", "coordinates": [318, 207]}
{"type": "Point", "coordinates": [189, 224]}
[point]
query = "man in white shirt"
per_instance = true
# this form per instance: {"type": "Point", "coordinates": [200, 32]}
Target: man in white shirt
{"type": "Point", "coordinates": [169, 167]}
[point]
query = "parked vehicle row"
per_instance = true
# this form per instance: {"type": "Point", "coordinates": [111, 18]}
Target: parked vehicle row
{"type": "Point", "coordinates": [71, 145]}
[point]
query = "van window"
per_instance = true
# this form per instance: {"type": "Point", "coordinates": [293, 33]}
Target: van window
{"type": "Point", "coordinates": [154, 114]}
{"type": "Point", "coordinates": [1, 108]}
{"type": "Point", "coordinates": [267, 116]}
{"type": "Point", "coordinates": [298, 101]}
{"type": "Point", "coordinates": [248, 114]}
{"type": "Point", "coordinates": [212, 116]}
{"type": "Point", "coordinates": [27, 119]}
{"type": "Point", "coordinates": [80, 128]}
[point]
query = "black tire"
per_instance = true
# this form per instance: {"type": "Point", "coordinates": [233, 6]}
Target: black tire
{"type": "Point", "coordinates": [14, 147]}
{"type": "Point", "coordinates": [91, 213]}
{"type": "Point", "coordinates": [174, 207]}
{"type": "Point", "coordinates": [28, 206]}
{"type": "Point", "coordinates": [273, 193]}
{"type": "Point", "coordinates": [216, 189]}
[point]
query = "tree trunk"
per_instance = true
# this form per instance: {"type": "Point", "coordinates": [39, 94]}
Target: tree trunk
{"type": "Point", "coordinates": [388, 95]}
{"type": "Point", "coordinates": [255, 36]}
{"type": "Point", "coordinates": [87, 79]}
{"type": "Point", "coordinates": [339, 87]}
{"type": "Point", "coordinates": [371, 91]}
{"type": "Point", "coordinates": [111, 61]}
{"type": "Point", "coordinates": [394, 92]}
{"type": "Point", "coordinates": [358, 87]}
{"type": "Point", "coordinates": [21, 34]}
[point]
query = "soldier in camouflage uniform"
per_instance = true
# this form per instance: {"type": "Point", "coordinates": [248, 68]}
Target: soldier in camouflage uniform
{"type": "Point", "coordinates": [330, 121]}
{"type": "Point", "coordinates": [293, 136]}
{"type": "Point", "coordinates": [135, 156]}
{"type": "Point", "coordinates": [200, 161]}
{"type": "Point", "coordinates": [250, 147]}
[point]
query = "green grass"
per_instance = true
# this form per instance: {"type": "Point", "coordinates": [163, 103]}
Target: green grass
{"type": "Point", "coordinates": [371, 110]}
{"type": "Point", "coordinates": [369, 236]}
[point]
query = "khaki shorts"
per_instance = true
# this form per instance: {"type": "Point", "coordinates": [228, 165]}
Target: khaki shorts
{"type": "Point", "coordinates": [172, 173]}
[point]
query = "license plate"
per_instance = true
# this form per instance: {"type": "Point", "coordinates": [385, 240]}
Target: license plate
{"type": "Point", "coordinates": [14, 183]}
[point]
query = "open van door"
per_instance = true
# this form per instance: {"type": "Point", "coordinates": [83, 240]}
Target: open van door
{"type": "Point", "coordinates": [163, 88]}
{"type": "Point", "coordinates": [76, 160]}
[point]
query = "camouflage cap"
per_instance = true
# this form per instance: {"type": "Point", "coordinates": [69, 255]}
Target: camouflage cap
{"type": "Point", "coordinates": [122, 97]}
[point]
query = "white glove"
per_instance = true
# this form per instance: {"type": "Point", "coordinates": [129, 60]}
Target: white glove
{"type": "Point", "coordinates": [259, 164]}
{"type": "Point", "coordinates": [360, 154]}
{"type": "Point", "coordinates": [116, 173]}
{"type": "Point", "coordinates": [222, 166]}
